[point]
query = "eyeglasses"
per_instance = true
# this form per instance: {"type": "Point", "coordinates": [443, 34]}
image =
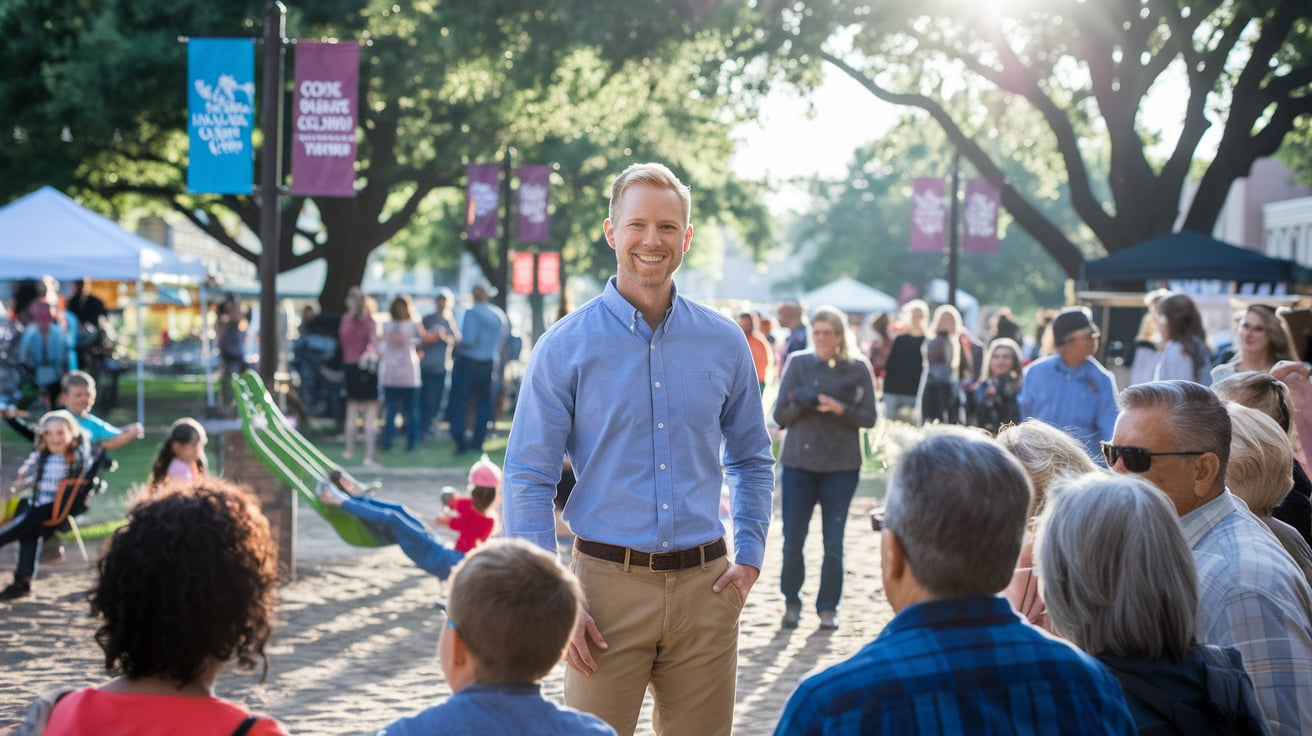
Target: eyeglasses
{"type": "Point", "coordinates": [1137, 459]}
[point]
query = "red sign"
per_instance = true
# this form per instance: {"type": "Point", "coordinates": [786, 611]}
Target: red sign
{"type": "Point", "coordinates": [521, 272]}
{"type": "Point", "coordinates": [548, 272]}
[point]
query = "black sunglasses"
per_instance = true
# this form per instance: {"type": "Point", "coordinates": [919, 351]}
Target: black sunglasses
{"type": "Point", "coordinates": [1137, 459]}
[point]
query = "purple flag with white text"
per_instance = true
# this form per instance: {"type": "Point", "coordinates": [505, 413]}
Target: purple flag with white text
{"type": "Point", "coordinates": [324, 118]}
{"type": "Point", "coordinates": [980, 217]}
{"type": "Point", "coordinates": [481, 200]}
{"type": "Point", "coordinates": [532, 223]}
{"type": "Point", "coordinates": [929, 214]}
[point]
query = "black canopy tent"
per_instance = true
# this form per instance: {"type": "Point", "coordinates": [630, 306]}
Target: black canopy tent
{"type": "Point", "coordinates": [1192, 255]}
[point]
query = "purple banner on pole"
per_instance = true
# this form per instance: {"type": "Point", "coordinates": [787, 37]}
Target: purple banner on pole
{"type": "Point", "coordinates": [928, 214]}
{"type": "Point", "coordinates": [324, 117]}
{"type": "Point", "coordinates": [481, 202]}
{"type": "Point", "coordinates": [533, 224]}
{"type": "Point", "coordinates": [980, 217]}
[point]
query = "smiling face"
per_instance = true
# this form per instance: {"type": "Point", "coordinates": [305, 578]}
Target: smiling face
{"type": "Point", "coordinates": [1253, 337]}
{"type": "Point", "coordinates": [649, 234]}
{"type": "Point", "coordinates": [1002, 362]}
{"type": "Point", "coordinates": [57, 435]}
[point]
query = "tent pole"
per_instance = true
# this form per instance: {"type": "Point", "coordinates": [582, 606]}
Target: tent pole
{"type": "Point", "coordinates": [205, 346]}
{"type": "Point", "coordinates": [141, 357]}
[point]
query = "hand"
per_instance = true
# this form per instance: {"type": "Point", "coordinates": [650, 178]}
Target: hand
{"type": "Point", "coordinates": [742, 577]}
{"type": "Point", "coordinates": [577, 652]}
{"type": "Point", "coordinates": [1290, 372]}
{"type": "Point", "coordinates": [831, 405]}
{"type": "Point", "coordinates": [136, 429]}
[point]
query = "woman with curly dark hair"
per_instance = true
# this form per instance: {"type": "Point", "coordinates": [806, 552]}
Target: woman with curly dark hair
{"type": "Point", "coordinates": [186, 586]}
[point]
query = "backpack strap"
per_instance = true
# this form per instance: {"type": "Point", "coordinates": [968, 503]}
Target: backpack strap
{"type": "Point", "coordinates": [245, 726]}
{"type": "Point", "coordinates": [1185, 719]}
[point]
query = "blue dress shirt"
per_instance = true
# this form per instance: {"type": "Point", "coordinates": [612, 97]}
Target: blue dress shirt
{"type": "Point", "coordinates": [481, 330]}
{"type": "Point", "coordinates": [643, 415]}
{"type": "Point", "coordinates": [960, 665]}
{"type": "Point", "coordinates": [499, 709]}
{"type": "Point", "coordinates": [1079, 401]}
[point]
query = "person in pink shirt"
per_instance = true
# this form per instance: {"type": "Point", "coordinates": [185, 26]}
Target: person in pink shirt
{"type": "Point", "coordinates": [182, 455]}
{"type": "Point", "coordinates": [358, 334]}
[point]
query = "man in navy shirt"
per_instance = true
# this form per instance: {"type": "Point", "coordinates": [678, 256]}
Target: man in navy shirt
{"type": "Point", "coordinates": [957, 658]}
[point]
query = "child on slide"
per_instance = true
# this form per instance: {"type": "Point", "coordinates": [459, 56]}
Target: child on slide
{"type": "Point", "coordinates": [396, 522]}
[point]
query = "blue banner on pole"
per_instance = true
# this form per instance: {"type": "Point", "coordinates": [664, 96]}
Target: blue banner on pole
{"type": "Point", "coordinates": [220, 113]}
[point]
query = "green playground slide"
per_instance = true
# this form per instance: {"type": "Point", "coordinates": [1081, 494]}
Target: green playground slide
{"type": "Point", "coordinates": [293, 458]}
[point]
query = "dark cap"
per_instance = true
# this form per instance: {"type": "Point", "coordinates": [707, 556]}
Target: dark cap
{"type": "Point", "coordinates": [1068, 321]}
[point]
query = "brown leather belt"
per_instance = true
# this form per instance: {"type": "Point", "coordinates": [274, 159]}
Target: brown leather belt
{"type": "Point", "coordinates": [656, 561]}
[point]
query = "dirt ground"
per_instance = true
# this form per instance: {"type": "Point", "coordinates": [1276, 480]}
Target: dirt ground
{"type": "Point", "coordinates": [356, 633]}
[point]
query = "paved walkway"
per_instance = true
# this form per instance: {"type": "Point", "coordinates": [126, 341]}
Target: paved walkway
{"type": "Point", "coordinates": [356, 633]}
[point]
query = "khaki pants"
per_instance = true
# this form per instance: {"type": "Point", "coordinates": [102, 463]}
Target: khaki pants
{"type": "Point", "coordinates": [668, 630]}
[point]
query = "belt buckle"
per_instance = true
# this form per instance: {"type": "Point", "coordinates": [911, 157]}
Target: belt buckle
{"type": "Point", "coordinates": [654, 556]}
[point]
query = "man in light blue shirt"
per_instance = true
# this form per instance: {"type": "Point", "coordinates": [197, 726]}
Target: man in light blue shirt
{"type": "Point", "coordinates": [483, 328]}
{"type": "Point", "coordinates": [654, 398]}
{"type": "Point", "coordinates": [1070, 390]}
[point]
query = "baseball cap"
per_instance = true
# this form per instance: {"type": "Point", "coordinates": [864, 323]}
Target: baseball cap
{"type": "Point", "coordinates": [1069, 321]}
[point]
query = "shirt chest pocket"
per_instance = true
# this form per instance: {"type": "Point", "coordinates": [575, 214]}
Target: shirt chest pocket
{"type": "Point", "coordinates": [704, 395]}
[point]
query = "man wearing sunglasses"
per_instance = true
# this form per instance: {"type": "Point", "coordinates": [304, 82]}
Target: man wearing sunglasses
{"type": "Point", "coordinates": [1070, 390]}
{"type": "Point", "coordinates": [1176, 434]}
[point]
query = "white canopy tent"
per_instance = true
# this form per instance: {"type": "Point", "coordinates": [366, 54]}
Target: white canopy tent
{"type": "Point", "coordinates": [47, 233]}
{"type": "Point", "coordinates": [851, 296]}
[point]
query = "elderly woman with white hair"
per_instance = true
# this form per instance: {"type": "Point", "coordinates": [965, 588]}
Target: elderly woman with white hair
{"type": "Point", "coordinates": [1094, 547]}
{"type": "Point", "coordinates": [1260, 472]}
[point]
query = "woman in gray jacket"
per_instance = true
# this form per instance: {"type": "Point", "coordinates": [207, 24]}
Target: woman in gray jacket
{"type": "Point", "coordinates": [827, 395]}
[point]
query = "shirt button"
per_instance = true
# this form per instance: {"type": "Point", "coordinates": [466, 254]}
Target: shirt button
{"type": "Point", "coordinates": [662, 466]}
{"type": "Point", "coordinates": [665, 544]}
{"type": "Point", "coordinates": [651, 347]}
{"type": "Point", "coordinates": [660, 425]}
{"type": "Point", "coordinates": [665, 505]}
{"type": "Point", "coordinates": [658, 384]}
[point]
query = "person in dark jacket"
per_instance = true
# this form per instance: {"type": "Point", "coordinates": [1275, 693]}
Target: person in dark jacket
{"type": "Point", "coordinates": [826, 397]}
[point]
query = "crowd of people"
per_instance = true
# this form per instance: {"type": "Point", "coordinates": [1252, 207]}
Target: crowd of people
{"type": "Point", "coordinates": [1094, 559]}
{"type": "Point", "coordinates": [395, 370]}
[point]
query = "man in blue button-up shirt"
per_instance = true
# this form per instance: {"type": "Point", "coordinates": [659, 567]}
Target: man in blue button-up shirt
{"type": "Point", "coordinates": [1070, 390]}
{"type": "Point", "coordinates": [655, 400]}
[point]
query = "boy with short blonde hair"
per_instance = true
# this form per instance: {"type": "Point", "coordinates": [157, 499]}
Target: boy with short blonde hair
{"type": "Point", "coordinates": [510, 612]}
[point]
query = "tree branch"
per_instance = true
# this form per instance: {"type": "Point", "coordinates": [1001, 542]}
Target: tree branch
{"type": "Point", "coordinates": [1027, 216]}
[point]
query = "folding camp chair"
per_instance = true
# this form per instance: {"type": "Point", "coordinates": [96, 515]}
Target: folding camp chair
{"type": "Point", "coordinates": [73, 495]}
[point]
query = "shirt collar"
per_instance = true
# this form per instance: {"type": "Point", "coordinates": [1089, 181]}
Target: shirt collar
{"type": "Point", "coordinates": [628, 314]}
{"type": "Point", "coordinates": [1199, 522]}
{"type": "Point", "coordinates": [941, 613]}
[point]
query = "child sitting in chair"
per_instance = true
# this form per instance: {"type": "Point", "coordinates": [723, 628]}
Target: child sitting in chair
{"type": "Point", "coordinates": [510, 612]}
{"type": "Point", "coordinates": [397, 523]}
{"type": "Point", "coordinates": [59, 457]}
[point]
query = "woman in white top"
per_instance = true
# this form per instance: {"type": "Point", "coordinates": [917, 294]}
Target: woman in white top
{"type": "Point", "coordinates": [1260, 342]}
{"type": "Point", "coordinates": [398, 372]}
{"type": "Point", "coordinates": [1183, 354]}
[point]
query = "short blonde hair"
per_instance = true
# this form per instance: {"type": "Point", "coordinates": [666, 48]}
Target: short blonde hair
{"type": "Point", "coordinates": [652, 175]}
{"type": "Point", "coordinates": [1048, 455]}
{"type": "Point", "coordinates": [1261, 469]}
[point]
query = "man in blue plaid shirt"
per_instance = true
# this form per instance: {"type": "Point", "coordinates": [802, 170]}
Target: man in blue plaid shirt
{"type": "Point", "coordinates": [957, 658]}
{"type": "Point", "coordinates": [1176, 435]}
